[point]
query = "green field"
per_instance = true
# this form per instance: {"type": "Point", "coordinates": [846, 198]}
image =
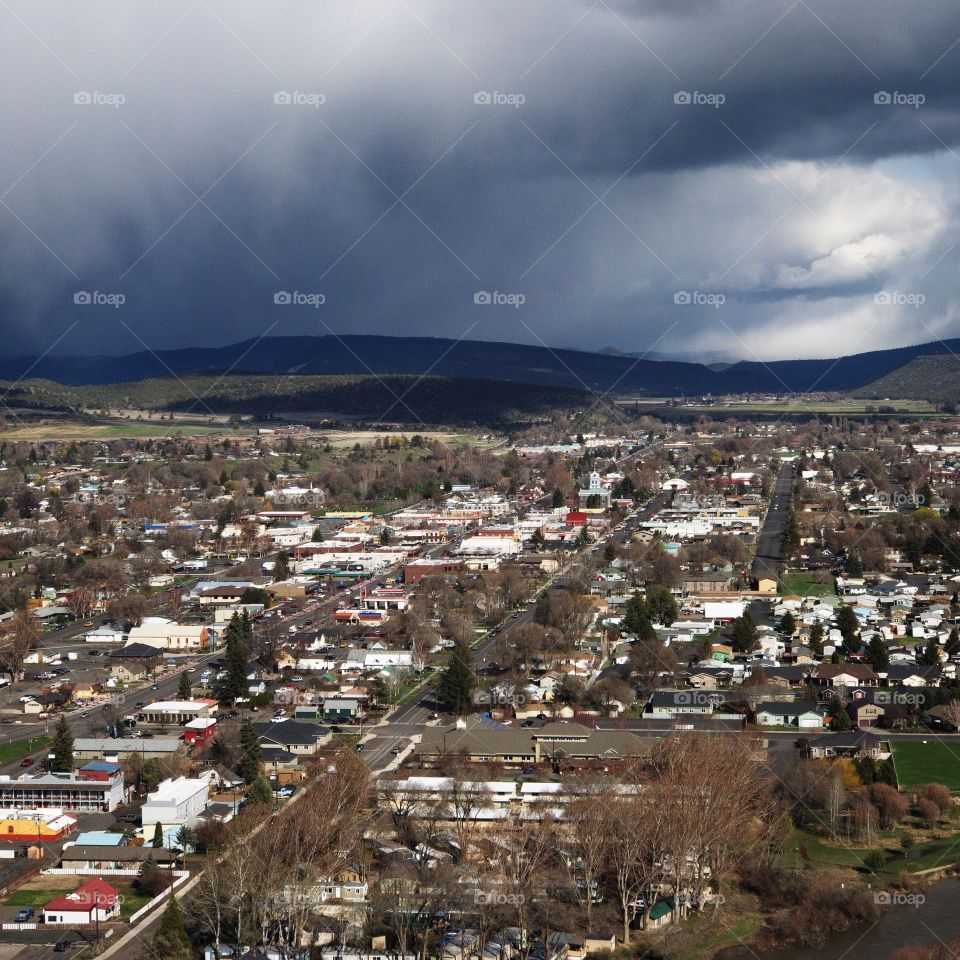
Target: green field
{"type": "Point", "coordinates": [20, 748]}
{"type": "Point", "coordinates": [927, 761]}
{"type": "Point", "coordinates": [807, 585]}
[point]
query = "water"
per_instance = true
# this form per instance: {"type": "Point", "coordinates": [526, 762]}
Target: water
{"type": "Point", "coordinates": [937, 918]}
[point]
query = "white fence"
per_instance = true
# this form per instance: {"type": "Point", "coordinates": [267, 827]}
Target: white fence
{"type": "Point", "coordinates": [92, 872]}
{"type": "Point", "coordinates": [182, 876]}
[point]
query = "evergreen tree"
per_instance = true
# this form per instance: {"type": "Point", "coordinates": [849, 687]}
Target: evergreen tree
{"type": "Point", "coordinates": [557, 499]}
{"type": "Point", "coordinates": [635, 614]}
{"type": "Point", "coordinates": [158, 834]}
{"type": "Point", "coordinates": [184, 688]}
{"type": "Point", "coordinates": [744, 633]}
{"type": "Point", "coordinates": [788, 624]}
{"type": "Point", "coordinates": [537, 540]}
{"type": "Point", "coordinates": [929, 656]}
{"type": "Point", "coordinates": [236, 661]}
{"type": "Point", "coordinates": [281, 566]}
{"type": "Point", "coordinates": [877, 654]}
{"type": "Point", "coordinates": [62, 747]}
{"type": "Point", "coordinates": [259, 791]}
{"type": "Point", "coordinates": [849, 627]}
{"type": "Point", "coordinates": [662, 606]}
{"type": "Point", "coordinates": [816, 638]}
{"type": "Point", "coordinates": [952, 647]}
{"type": "Point", "coordinates": [854, 565]}
{"type": "Point", "coordinates": [171, 939]}
{"type": "Point", "coordinates": [840, 717]}
{"type": "Point", "coordinates": [249, 751]}
{"type": "Point", "coordinates": [609, 552]}
{"type": "Point", "coordinates": [457, 681]}
{"type": "Point", "coordinates": [317, 535]}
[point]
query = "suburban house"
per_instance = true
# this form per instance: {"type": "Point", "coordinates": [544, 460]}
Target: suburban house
{"type": "Point", "coordinates": [295, 736]}
{"type": "Point", "coordinates": [93, 902]}
{"type": "Point", "coordinates": [846, 675]}
{"type": "Point", "coordinates": [134, 662]}
{"type": "Point", "coordinates": [789, 713]}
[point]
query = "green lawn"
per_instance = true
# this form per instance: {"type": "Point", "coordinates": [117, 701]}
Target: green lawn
{"type": "Point", "coordinates": [807, 584]}
{"type": "Point", "coordinates": [927, 760]}
{"type": "Point", "coordinates": [132, 902]}
{"type": "Point", "coordinates": [20, 748]}
{"type": "Point", "coordinates": [33, 898]}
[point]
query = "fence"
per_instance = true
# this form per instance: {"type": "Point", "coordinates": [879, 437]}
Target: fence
{"type": "Point", "coordinates": [181, 879]}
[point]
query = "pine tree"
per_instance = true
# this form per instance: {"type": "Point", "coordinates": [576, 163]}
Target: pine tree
{"type": "Point", "coordinates": [62, 747]}
{"type": "Point", "coordinates": [456, 683]}
{"type": "Point", "coordinates": [877, 654]}
{"type": "Point", "coordinates": [281, 567]}
{"type": "Point", "coordinates": [184, 688]}
{"type": "Point", "coordinates": [816, 638]}
{"type": "Point", "coordinates": [849, 627]}
{"type": "Point", "coordinates": [235, 665]}
{"type": "Point", "coordinates": [662, 606]}
{"type": "Point", "coordinates": [952, 647]}
{"type": "Point", "coordinates": [249, 751]}
{"type": "Point", "coordinates": [158, 834]}
{"type": "Point", "coordinates": [259, 791]}
{"type": "Point", "coordinates": [744, 633]}
{"type": "Point", "coordinates": [171, 939]}
{"type": "Point", "coordinates": [557, 499]}
{"type": "Point", "coordinates": [636, 614]}
{"type": "Point", "coordinates": [788, 624]}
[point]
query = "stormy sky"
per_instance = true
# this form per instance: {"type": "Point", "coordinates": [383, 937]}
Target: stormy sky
{"type": "Point", "coordinates": [710, 178]}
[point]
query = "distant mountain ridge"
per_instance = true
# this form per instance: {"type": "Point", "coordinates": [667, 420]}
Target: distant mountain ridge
{"type": "Point", "coordinates": [603, 373]}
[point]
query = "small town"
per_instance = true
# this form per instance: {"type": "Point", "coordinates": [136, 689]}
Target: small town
{"type": "Point", "coordinates": [542, 695]}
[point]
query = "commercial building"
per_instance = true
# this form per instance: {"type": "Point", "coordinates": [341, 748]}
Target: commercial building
{"type": "Point", "coordinates": [62, 791]}
{"type": "Point", "coordinates": [175, 803]}
{"type": "Point", "coordinates": [177, 711]}
{"type": "Point", "coordinates": [167, 635]}
{"type": "Point", "coordinates": [35, 825]}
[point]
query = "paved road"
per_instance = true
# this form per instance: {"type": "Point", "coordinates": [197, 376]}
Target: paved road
{"type": "Point", "coordinates": [769, 556]}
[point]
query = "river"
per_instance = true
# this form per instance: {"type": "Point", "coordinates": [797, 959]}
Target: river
{"type": "Point", "coordinates": [937, 917]}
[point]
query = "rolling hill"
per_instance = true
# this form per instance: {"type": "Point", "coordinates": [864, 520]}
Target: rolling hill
{"type": "Point", "coordinates": [603, 373]}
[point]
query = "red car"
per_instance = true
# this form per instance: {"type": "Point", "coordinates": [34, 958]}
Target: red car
{"type": "Point", "coordinates": [26, 762]}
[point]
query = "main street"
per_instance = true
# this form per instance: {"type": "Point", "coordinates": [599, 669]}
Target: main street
{"type": "Point", "coordinates": [768, 558]}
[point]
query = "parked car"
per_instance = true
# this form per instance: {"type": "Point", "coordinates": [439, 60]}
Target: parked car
{"type": "Point", "coordinates": [24, 915]}
{"type": "Point", "coordinates": [26, 762]}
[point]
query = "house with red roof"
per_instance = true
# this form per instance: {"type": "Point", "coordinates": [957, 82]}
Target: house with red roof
{"type": "Point", "coordinates": [96, 901]}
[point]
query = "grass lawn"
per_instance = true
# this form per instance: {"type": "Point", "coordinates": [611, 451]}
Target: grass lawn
{"type": "Point", "coordinates": [20, 748]}
{"type": "Point", "coordinates": [807, 584]}
{"type": "Point", "coordinates": [927, 761]}
{"type": "Point", "coordinates": [132, 902]}
{"type": "Point", "coordinates": [36, 898]}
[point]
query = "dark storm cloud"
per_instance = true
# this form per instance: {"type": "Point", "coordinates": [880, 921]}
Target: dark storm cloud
{"type": "Point", "coordinates": [630, 153]}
